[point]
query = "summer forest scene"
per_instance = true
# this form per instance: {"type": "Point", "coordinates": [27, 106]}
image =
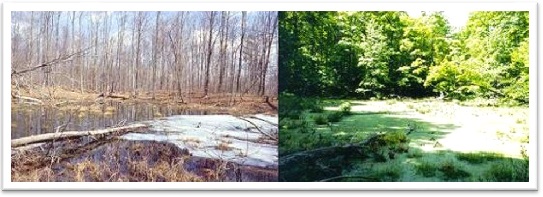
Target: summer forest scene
{"type": "Point", "coordinates": [144, 96]}
{"type": "Point", "coordinates": [403, 97]}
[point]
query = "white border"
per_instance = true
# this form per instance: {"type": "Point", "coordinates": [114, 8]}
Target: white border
{"type": "Point", "coordinates": [258, 6]}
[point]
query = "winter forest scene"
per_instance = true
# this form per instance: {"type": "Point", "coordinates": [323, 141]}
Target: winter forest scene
{"type": "Point", "coordinates": [144, 96]}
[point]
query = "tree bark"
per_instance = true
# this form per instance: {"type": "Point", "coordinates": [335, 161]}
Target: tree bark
{"type": "Point", "coordinates": [71, 134]}
{"type": "Point", "coordinates": [209, 52]}
{"type": "Point", "coordinates": [243, 18]}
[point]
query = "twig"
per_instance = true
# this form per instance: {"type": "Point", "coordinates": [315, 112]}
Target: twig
{"type": "Point", "coordinates": [267, 121]}
{"type": "Point", "coordinates": [256, 126]}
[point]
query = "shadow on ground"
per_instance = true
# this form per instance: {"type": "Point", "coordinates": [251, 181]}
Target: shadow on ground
{"type": "Point", "coordinates": [406, 163]}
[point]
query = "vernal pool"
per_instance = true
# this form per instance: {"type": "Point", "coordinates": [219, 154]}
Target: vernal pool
{"type": "Point", "coordinates": [244, 140]}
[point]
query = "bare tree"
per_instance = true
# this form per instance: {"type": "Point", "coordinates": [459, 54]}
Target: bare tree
{"type": "Point", "coordinates": [155, 51]}
{"type": "Point", "coordinates": [181, 52]}
{"type": "Point", "coordinates": [209, 51]}
{"type": "Point", "coordinates": [243, 21]}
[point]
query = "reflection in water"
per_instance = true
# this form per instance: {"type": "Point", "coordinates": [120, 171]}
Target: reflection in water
{"type": "Point", "coordinates": [32, 120]}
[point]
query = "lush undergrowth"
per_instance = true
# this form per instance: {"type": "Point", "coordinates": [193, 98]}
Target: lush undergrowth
{"type": "Point", "coordinates": [309, 124]}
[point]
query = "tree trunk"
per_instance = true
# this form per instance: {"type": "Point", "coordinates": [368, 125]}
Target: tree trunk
{"type": "Point", "coordinates": [243, 18]}
{"type": "Point", "coordinates": [71, 134]}
{"type": "Point", "coordinates": [209, 53]}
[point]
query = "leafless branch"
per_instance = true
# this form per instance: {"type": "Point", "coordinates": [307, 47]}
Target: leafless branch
{"type": "Point", "coordinates": [50, 63]}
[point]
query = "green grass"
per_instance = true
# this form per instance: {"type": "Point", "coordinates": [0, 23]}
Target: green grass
{"type": "Point", "coordinates": [414, 153]}
{"type": "Point", "coordinates": [508, 171]}
{"type": "Point", "coordinates": [426, 168]}
{"type": "Point", "coordinates": [387, 172]}
{"type": "Point", "coordinates": [478, 157]}
{"type": "Point", "coordinates": [453, 171]}
{"type": "Point", "coordinates": [310, 130]}
{"type": "Point", "coordinates": [293, 123]}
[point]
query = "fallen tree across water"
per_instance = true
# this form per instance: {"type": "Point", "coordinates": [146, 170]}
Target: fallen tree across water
{"type": "Point", "coordinates": [322, 163]}
{"type": "Point", "coordinates": [72, 134]}
{"type": "Point", "coordinates": [349, 150]}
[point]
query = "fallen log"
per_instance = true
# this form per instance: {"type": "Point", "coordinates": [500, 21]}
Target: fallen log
{"type": "Point", "coordinates": [321, 163]}
{"type": "Point", "coordinates": [114, 96]}
{"type": "Point", "coordinates": [71, 134]}
{"type": "Point", "coordinates": [33, 100]}
{"type": "Point", "coordinates": [118, 96]}
{"type": "Point", "coordinates": [328, 152]}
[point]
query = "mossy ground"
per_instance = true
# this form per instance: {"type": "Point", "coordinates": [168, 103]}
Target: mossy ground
{"type": "Point", "coordinates": [450, 141]}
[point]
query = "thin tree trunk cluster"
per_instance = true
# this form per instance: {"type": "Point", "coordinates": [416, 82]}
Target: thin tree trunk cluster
{"type": "Point", "coordinates": [139, 52]}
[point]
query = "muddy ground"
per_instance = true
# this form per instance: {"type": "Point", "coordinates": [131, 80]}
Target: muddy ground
{"type": "Point", "coordinates": [124, 160]}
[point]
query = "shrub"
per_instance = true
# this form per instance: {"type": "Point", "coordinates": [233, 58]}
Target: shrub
{"type": "Point", "coordinates": [312, 104]}
{"type": "Point", "coordinates": [292, 124]}
{"type": "Point", "coordinates": [334, 116]}
{"type": "Point", "coordinates": [290, 106]}
{"type": "Point", "coordinates": [395, 137]}
{"type": "Point", "coordinates": [321, 119]}
{"type": "Point", "coordinates": [345, 108]}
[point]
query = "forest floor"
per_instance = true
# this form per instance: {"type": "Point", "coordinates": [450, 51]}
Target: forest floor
{"type": "Point", "coordinates": [450, 141]}
{"type": "Point", "coordinates": [223, 103]}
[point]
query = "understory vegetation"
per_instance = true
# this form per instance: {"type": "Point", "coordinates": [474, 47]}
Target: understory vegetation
{"type": "Point", "coordinates": [395, 96]}
{"type": "Point", "coordinates": [395, 155]}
